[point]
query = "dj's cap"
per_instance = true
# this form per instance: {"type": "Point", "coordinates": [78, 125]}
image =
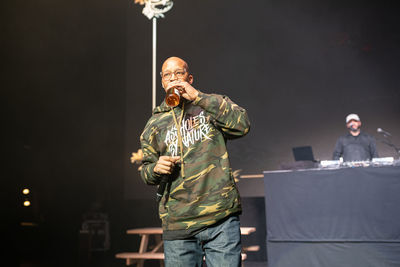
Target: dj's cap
{"type": "Point", "coordinates": [352, 117]}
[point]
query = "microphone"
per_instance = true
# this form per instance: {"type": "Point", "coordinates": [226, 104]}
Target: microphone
{"type": "Point", "coordinates": [161, 187]}
{"type": "Point", "coordinates": [379, 130]}
{"type": "Point", "coordinates": [353, 127]}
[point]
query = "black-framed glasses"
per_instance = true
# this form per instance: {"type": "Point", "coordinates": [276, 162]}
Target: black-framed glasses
{"type": "Point", "coordinates": [178, 74]}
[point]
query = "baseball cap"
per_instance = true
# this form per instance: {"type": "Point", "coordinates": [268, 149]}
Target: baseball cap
{"type": "Point", "coordinates": [352, 117]}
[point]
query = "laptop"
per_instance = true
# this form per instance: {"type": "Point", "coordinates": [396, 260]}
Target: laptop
{"type": "Point", "coordinates": [303, 153]}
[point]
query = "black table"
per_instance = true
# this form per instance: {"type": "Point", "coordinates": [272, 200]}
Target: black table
{"type": "Point", "coordinates": [341, 217]}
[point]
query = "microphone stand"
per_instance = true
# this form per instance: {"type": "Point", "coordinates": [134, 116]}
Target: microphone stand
{"type": "Point", "coordinates": [153, 10]}
{"type": "Point", "coordinates": [389, 143]}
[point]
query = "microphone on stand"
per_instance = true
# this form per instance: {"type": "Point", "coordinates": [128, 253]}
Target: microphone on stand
{"type": "Point", "coordinates": [379, 130]}
{"type": "Point", "coordinates": [161, 187]}
{"type": "Point", "coordinates": [388, 142]}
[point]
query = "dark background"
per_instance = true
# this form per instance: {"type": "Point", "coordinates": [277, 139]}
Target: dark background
{"type": "Point", "coordinates": [76, 94]}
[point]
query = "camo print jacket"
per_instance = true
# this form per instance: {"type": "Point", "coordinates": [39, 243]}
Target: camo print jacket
{"type": "Point", "coordinates": [208, 193]}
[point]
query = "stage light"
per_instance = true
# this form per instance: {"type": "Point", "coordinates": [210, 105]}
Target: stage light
{"type": "Point", "coordinates": [27, 203]}
{"type": "Point", "coordinates": [26, 191]}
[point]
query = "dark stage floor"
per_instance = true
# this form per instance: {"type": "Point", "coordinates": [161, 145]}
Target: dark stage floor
{"type": "Point", "coordinates": [106, 260]}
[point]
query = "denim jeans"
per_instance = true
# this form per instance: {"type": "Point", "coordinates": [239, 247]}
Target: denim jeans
{"type": "Point", "coordinates": [220, 244]}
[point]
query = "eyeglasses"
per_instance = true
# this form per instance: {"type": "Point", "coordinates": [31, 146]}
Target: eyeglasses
{"type": "Point", "coordinates": [178, 74]}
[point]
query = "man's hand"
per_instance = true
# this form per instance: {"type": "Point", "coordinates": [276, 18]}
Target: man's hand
{"type": "Point", "coordinates": [185, 89]}
{"type": "Point", "coordinates": [137, 157]}
{"type": "Point", "coordinates": [165, 164]}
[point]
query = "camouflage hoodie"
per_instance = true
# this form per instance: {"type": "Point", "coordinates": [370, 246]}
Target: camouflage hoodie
{"type": "Point", "coordinates": [207, 193]}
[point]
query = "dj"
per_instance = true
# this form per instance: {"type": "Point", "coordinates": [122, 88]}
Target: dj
{"type": "Point", "coordinates": [355, 145]}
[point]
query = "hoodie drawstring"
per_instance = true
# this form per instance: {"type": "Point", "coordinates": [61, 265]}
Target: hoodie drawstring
{"type": "Point", "coordinates": [178, 130]}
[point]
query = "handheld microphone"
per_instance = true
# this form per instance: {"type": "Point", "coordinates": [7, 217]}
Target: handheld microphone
{"type": "Point", "coordinates": [379, 130]}
{"type": "Point", "coordinates": [161, 187]}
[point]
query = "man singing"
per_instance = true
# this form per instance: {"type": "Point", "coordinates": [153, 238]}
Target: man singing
{"type": "Point", "coordinates": [186, 147]}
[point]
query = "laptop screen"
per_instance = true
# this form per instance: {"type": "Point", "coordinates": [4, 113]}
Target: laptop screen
{"type": "Point", "coordinates": [303, 153]}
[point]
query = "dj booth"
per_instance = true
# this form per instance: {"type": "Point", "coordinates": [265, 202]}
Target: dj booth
{"type": "Point", "coordinates": [345, 216]}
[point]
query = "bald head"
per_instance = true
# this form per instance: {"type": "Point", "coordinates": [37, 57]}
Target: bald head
{"type": "Point", "coordinates": [174, 61]}
{"type": "Point", "coordinates": [173, 65]}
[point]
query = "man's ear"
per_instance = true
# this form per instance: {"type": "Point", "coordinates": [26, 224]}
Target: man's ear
{"type": "Point", "coordinates": [190, 78]}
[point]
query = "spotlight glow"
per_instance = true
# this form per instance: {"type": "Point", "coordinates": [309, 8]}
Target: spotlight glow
{"type": "Point", "coordinates": [27, 203]}
{"type": "Point", "coordinates": [25, 191]}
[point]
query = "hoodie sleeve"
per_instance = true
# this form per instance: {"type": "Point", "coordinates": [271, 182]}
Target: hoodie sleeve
{"type": "Point", "coordinates": [338, 151]}
{"type": "Point", "coordinates": [372, 148]}
{"type": "Point", "coordinates": [148, 142]}
{"type": "Point", "coordinates": [231, 119]}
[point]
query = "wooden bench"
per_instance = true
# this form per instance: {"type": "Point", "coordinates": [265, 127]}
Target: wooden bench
{"type": "Point", "coordinates": [155, 253]}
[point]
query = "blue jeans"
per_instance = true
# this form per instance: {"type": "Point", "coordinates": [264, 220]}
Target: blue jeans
{"type": "Point", "coordinates": [220, 244]}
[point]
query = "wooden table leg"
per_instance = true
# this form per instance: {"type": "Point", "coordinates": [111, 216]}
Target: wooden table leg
{"type": "Point", "coordinates": [159, 243]}
{"type": "Point", "coordinates": [143, 248]}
